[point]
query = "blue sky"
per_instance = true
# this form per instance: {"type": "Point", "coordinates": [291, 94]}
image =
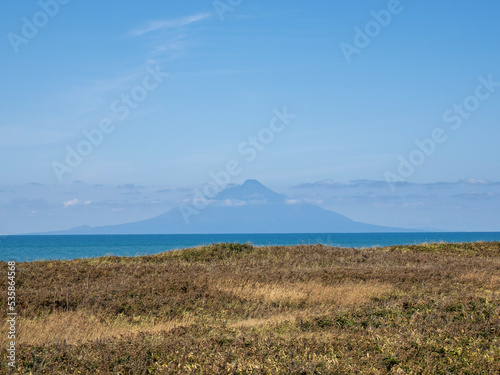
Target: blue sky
{"type": "Point", "coordinates": [356, 117]}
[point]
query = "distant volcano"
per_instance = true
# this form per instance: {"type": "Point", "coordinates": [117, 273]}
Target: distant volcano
{"type": "Point", "coordinates": [247, 208]}
{"type": "Point", "coordinates": [251, 190]}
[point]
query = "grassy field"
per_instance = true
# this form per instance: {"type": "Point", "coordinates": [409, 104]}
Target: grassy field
{"type": "Point", "coordinates": [238, 309]}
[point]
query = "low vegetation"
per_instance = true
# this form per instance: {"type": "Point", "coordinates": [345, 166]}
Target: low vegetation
{"type": "Point", "coordinates": [239, 309]}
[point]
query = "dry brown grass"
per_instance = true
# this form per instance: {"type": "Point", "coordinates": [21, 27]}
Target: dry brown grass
{"type": "Point", "coordinates": [308, 293]}
{"type": "Point", "coordinates": [269, 321]}
{"type": "Point", "coordinates": [283, 310]}
{"type": "Point", "coordinates": [483, 277]}
{"type": "Point", "coordinates": [78, 327]}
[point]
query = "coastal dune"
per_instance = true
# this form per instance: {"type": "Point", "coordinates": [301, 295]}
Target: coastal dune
{"type": "Point", "coordinates": [236, 308]}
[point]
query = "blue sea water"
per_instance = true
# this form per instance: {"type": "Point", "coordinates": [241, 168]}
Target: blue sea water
{"type": "Point", "coordinates": [32, 248]}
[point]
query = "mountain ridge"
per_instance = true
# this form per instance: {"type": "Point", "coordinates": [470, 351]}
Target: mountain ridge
{"type": "Point", "coordinates": [258, 210]}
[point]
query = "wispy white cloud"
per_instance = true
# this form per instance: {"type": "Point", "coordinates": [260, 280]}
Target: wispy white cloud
{"type": "Point", "coordinates": [412, 204]}
{"type": "Point", "coordinates": [76, 202]}
{"type": "Point", "coordinates": [233, 203]}
{"type": "Point", "coordinates": [96, 94]}
{"type": "Point", "coordinates": [383, 184]}
{"type": "Point", "coordinates": [304, 200]}
{"type": "Point", "coordinates": [169, 24]}
{"type": "Point", "coordinates": [475, 181]}
{"type": "Point", "coordinates": [168, 49]}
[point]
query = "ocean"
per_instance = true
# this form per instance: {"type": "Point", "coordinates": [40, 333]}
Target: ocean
{"type": "Point", "coordinates": [33, 248]}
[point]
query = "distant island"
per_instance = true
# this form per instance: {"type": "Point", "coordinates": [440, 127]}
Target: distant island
{"type": "Point", "coordinates": [247, 208]}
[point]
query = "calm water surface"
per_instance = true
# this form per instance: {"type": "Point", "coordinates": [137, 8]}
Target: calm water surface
{"type": "Point", "coordinates": [30, 248]}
